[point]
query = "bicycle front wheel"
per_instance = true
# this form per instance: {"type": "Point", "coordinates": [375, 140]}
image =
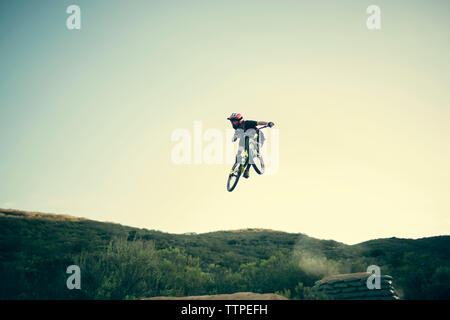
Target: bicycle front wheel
{"type": "Point", "coordinates": [234, 176]}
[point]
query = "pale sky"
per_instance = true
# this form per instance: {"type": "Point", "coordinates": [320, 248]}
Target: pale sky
{"type": "Point", "coordinates": [86, 116]}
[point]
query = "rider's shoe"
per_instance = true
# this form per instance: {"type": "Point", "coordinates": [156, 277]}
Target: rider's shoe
{"type": "Point", "coordinates": [247, 173]}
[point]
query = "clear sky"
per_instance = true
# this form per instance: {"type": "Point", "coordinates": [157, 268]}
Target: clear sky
{"type": "Point", "coordinates": [86, 116]}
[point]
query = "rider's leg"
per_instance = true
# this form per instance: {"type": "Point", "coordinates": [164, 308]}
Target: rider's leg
{"type": "Point", "coordinates": [261, 139]}
{"type": "Point", "coordinates": [253, 144]}
{"type": "Point", "coordinates": [252, 140]}
{"type": "Point", "coordinates": [240, 153]}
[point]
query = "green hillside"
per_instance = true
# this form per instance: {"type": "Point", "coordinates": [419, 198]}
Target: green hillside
{"type": "Point", "coordinates": [120, 262]}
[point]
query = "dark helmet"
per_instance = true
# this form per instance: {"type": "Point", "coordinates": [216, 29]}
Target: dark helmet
{"type": "Point", "coordinates": [236, 119]}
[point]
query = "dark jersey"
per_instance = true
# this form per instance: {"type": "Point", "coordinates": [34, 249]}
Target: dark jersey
{"type": "Point", "coordinates": [250, 124]}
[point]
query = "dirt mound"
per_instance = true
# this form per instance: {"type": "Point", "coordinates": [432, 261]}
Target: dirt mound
{"type": "Point", "coordinates": [353, 286]}
{"type": "Point", "coordinates": [234, 296]}
{"type": "Point", "coordinates": [346, 276]}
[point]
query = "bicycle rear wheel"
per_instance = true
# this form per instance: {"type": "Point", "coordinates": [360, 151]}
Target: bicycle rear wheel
{"type": "Point", "coordinates": [257, 161]}
{"type": "Point", "coordinates": [258, 164]}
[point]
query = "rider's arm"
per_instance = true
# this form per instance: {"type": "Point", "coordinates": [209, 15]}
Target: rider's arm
{"type": "Point", "coordinates": [264, 123]}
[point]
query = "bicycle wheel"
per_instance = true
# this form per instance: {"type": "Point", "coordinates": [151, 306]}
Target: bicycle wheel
{"type": "Point", "coordinates": [234, 176]}
{"type": "Point", "coordinates": [257, 161]}
{"type": "Point", "coordinates": [258, 164]}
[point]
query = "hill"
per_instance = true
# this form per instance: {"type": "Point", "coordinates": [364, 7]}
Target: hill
{"type": "Point", "coordinates": [120, 262]}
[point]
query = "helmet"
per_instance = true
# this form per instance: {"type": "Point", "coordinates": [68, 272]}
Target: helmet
{"type": "Point", "coordinates": [236, 119]}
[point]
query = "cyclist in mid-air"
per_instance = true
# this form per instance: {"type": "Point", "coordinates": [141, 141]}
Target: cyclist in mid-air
{"type": "Point", "coordinates": [246, 128]}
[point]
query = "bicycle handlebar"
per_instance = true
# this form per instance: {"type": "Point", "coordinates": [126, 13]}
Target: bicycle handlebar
{"type": "Point", "coordinates": [266, 126]}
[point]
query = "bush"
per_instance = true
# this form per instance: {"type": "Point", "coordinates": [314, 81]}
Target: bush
{"type": "Point", "coordinates": [124, 269]}
{"type": "Point", "coordinates": [301, 292]}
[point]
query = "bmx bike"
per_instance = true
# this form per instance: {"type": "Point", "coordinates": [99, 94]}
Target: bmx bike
{"type": "Point", "coordinates": [251, 157]}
